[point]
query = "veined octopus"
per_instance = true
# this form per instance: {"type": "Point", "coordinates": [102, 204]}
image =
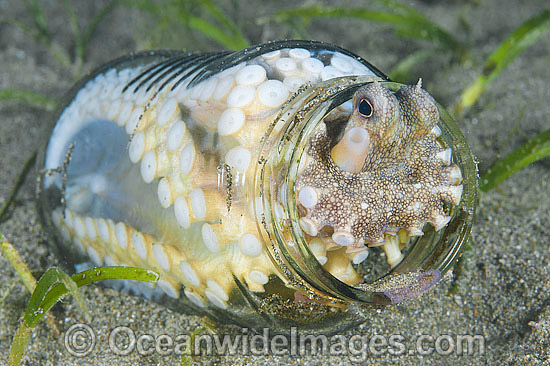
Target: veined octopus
{"type": "Point", "coordinates": [154, 163]}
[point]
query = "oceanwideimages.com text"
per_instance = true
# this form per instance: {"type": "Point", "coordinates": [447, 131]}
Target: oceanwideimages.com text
{"type": "Point", "coordinates": [80, 340]}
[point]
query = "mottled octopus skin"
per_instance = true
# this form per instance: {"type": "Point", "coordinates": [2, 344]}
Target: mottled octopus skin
{"type": "Point", "coordinates": [403, 182]}
{"type": "Point", "coordinates": [152, 164]}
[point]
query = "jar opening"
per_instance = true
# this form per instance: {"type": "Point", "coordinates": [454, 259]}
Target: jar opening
{"type": "Point", "coordinates": [306, 252]}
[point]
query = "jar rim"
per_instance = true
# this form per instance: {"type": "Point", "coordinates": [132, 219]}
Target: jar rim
{"type": "Point", "coordinates": [430, 257]}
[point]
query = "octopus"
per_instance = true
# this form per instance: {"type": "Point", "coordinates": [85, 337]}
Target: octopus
{"type": "Point", "coordinates": [387, 173]}
{"type": "Point", "coordinates": [152, 163]}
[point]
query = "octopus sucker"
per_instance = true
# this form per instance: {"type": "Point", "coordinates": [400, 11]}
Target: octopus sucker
{"type": "Point", "coordinates": [159, 161]}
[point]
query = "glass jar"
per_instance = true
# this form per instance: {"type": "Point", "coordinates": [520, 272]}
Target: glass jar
{"type": "Point", "coordinates": [187, 164]}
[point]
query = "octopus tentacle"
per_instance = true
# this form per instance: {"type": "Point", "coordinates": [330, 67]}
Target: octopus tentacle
{"type": "Point", "coordinates": [162, 169]}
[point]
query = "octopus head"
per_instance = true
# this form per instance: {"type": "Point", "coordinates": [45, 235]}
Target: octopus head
{"type": "Point", "coordinates": [419, 110]}
{"type": "Point", "coordinates": [383, 125]}
{"type": "Point", "coordinates": [387, 172]}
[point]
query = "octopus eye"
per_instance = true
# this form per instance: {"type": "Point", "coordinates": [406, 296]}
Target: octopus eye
{"type": "Point", "coordinates": [365, 108]}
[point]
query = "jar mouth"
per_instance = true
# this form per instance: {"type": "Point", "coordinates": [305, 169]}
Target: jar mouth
{"type": "Point", "coordinates": [428, 257]}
